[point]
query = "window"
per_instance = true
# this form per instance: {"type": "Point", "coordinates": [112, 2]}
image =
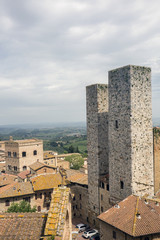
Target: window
{"type": "Point", "coordinates": [146, 238]}
{"type": "Point", "coordinates": [40, 195]}
{"type": "Point", "coordinates": [94, 222]}
{"type": "Point", "coordinates": [24, 168]}
{"type": "Point", "coordinates": [80, 206]}
{"type": "Point", "coordinates": [7, 203]}
{"type": "Point", "coordinates": [74, 198]}
{"type": "Point", "coordinates": [9, 154]}
{"type": "Point", "coordinates": [9, 167]}
{"type": "Point", "coordinates": [14, 154]}
{"type": "Point", "coordinates": [101, 197]}
{"type": "Point", "coordinates": [122, 184]}
{"type": "Point", "coordinates": [114, 235]}
{"type": "Point", "coordinates": [107, 187]}
{"type": "Point", "coordinates": [102, 185]}
{"type": "Point", "coordinates": [39, 208]}
{"type": "Point", "coordinates": [23, 154]}
{"type": "Point", "coordinates": [36, 196]}
{"type": "Point", "coordinates": [101, 209]}
{"type": "Point", "coordinates": [116, 124]}
{"type": "Point", "coordinates": [87, 219]}
{"type": "Point", "coordinates": [35, 152]}
{"type": "Point", "coordinates": [76, 207]}
{"type": "Point", "coordinates": [80, 196]}
{"type": "Point", "coordinates": [15, 168]}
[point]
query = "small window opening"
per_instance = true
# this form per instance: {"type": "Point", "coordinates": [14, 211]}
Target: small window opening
{"type": "Point", "coordinates": [114, 235]}
{"type": "Point", "coordinates": [107, 187]}
{"type": "Point", "coordinates": [9, 154]}
{"type": "Point", "coordinates": [7, 203]}
{"type": "Point", "coordinates": [24, 168]}
{"type": "Point", "coordinates": [35, 152]}
{"type": "Point", "coordinates": [23, 154]}
{"type": "Point", "coordinates": [122, 184]}
{"type": "Point", "coordinates": [101, 197]}
{"type": "Point", "coordinates": [15, 168]}
{"type": "Point", "coordinates": [14, 154]}
{"type": "Point", "coordinates": [116, 123]}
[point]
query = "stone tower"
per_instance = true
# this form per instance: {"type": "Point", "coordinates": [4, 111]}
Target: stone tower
{"type": "Point", "coordinates": [97, 138]}
{"type": "Point", "coordinates": [156, 150]}
{"type": "Point", "coordinates": [130, 133]}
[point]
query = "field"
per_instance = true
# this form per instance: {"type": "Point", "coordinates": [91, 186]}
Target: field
{"type": "Point", "coordinates": [60, 139]}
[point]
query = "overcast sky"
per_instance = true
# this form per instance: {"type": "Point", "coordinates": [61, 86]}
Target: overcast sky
{"type": "Point", "coordinates": [50, 50]}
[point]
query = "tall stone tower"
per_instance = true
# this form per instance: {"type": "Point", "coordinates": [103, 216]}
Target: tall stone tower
{"type": "Point", "coordinates": [156, 151]}
{"type": "Point", "coordinates": [130, 132]}
{"type": "Point", "coordinates": [97, 138]}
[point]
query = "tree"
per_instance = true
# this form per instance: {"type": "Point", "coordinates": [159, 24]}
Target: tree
{"type": "Point", "coordinates": [77, 150]}
{"type": "Point", "coordinates": [23, 206]}
{"type": "Point", "coordinates": [71, 149]}
{"type": "Point", "coordinates": [76, 161]}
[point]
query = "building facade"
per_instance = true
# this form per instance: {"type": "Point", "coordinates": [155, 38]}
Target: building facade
{"type": "Point", "coordinates": [19, 154]}
{"type": "Point", "coordinates": [120, 138]}
{"type": "Point", "coordinates": [97, 138]}
{"type": "Point", "coordinates": [130, 133]}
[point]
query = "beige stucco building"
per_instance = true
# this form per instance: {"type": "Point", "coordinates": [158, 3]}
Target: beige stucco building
{"type": "Point", "coordinates": [20, 154]}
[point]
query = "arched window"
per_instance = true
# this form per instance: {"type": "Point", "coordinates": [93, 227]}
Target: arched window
{"type": "Point", "coordinates": [39, 208]}
{"type": "Point", "coordinates": [35, 152]}
{"type": "Point", "coordinates": [24, 168]}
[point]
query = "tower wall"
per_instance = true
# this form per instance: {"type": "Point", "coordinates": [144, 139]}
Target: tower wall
{"type": "Point", "coordinates": [130, 132]}
{"type": "Point", "coordinates": [97, 139]}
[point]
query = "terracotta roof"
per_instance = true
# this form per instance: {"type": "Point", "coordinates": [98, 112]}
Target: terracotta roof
{"type": "Point", "coordinates": [135, 216]}
{"type": "Point", "coordinates": [6, 179]}
{"type": "Point", "coordinates": [23, 174]}
{"type": "Point", "coordinates": [25, 226]}
{"type": "Point", "coordinates": [46, 181]}
{"type": "Point", "coordinates": [16, 189]}
{"type": "Point", "coordinates": [57, 212]}
{"type": "Point", "coordinates": [37, 165]}
{"type": "Point", "coordinates": [76, 176]}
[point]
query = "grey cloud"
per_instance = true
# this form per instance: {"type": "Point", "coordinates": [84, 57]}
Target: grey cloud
{"type": "Point", "coordinates": [50, 50]}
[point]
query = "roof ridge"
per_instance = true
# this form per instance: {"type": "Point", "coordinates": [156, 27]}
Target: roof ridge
{"type": "Point", "coordinates": [135, 217]}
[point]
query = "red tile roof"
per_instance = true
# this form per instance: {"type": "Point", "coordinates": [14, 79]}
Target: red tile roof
{"type": "Point", "coordinates": [134, 216]}
{"type": "Point", "coordinates": [23, 174]}
{"type": "Point", "coordinates": [16, 189]}
{"type": "Point", "coordinates": [76, 176]}
{"type": "Point", "coordinates": [24, 226]}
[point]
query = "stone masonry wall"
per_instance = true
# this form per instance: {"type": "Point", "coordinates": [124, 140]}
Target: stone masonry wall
{"type": "Point", "coordinates": [97, 139]}
{"type": "Point", "coordinates": [19, 161]}
{"type": "Point", "coordinates": [156, 132]}
{"type": "Point", "coordinates": [79, 201]}
{"type": "Point", "coordinates": [130, 132]}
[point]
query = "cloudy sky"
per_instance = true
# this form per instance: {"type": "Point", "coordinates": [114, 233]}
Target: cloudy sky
{"type": "Point", "coordinates": [51, 50]}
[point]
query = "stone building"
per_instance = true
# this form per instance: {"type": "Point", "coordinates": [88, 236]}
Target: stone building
{"type": "Point", "coordinates": [19, 154]}
{"type": "Point", "coordinates": [79, 190]}
{"type": "Point", "coordinates": [130, 132]}
{"type": "Point", "coordinates": [97, 138]}
{"type": "Point", "coordinates": [2, 151]}
{"type": "Point", "coordinates": [120, 138]}
{"type": "Point", "coordinates": [156, 133]}
{"type": "Point", "coordinates": [134, 218]}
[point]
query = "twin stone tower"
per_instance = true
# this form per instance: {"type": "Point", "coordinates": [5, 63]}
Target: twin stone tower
{"type": "Point", "coordinates": [120, 137]}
